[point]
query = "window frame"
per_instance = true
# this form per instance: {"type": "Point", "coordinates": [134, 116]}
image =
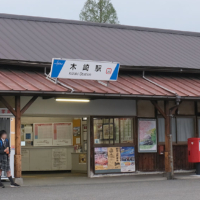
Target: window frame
{"type": "Point", "coordinates": [180, 116]}
{"type": "Point", "coordinates": [114, 144]}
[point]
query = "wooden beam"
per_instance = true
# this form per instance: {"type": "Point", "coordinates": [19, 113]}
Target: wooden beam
{"type": "Point", "coordinates": [159, 109]}
{"type": "Point", "coordinates": [23, 110]}
{"type": "Point", "coordinates": [173, 109]}
{"type": "Point", "coordinates": [18, 168]}
{"type": "Point", "coordinates": [8, 105]}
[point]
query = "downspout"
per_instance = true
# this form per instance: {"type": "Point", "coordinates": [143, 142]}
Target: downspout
{"type": "Point", "coordinates": [171, 110]}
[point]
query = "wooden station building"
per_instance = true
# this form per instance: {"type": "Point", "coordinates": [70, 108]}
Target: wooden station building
{"type": "Point", "coordinates": [158, 82]}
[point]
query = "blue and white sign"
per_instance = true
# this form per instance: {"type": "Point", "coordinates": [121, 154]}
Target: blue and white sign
{"type": "Point", "coordinates": [84, 69]}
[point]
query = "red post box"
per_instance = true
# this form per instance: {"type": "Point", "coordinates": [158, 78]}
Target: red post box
{"type": "Point", "coordinates": [194, 150]}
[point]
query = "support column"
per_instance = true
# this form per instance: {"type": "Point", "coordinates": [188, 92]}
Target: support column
{"type": "Point", "coordinates": [168, 147]}
{"type": "Point", "coordinates": [18, 167]}
{"type": "Point", "coordinates": [17, 113]}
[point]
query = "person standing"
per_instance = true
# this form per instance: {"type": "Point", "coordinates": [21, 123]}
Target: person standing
{"type": "Point", "coordinates": [5, 158]}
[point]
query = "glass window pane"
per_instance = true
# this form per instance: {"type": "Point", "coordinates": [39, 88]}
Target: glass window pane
{"type": "Point", "coordinates": [173, 129]}
{"type": "Point", "coordinates": [185, 129]}
{"type": "Point", "coordinates": [98, 132]}
{"type": "Point", "coordinates": [126, 130]}
{"type": "Point", "coordinates": [116, 129]}
{"type": "Point", "coordinates": [103, 131]}
{"type": "Point", "coordinates": [199, 127]}
{"type": "Point", "coordinates": [161, 129]}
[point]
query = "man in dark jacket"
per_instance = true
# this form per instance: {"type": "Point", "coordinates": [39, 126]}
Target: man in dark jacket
{"type": "Point", "coordinates": [5, 158]}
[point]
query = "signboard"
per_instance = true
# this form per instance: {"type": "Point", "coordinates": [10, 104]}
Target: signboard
{"type": "Point", "coordinates": [5, 111]}
{"type": "Point", "coordinates": [84, 69]}
{"type": "Point", "coordinates": [114, 159]}
{"type": "Point", "coordinates": [147, 135]}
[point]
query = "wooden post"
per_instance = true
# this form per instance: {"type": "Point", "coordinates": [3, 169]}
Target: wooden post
{"type": "Point", "coordinates": [17, 113]}
{"type": "Point", "coordinates": [168, 168]}
{"type": "Point", "coordinates": [17, 138]}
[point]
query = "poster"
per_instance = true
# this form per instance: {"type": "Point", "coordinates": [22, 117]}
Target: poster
{"type": "Point", "coordinates": [114, 158]}
{"type": "Point", "coordinates": [76, 131]}
{"type": "Point", "coordinates": [147, 135]}
{"type": "Point", "coordinates": [59, 159]}
{"type": "Point", "coordinates": [82, 158]}
{"type": "Point", "coordinates": [62, 134]}
{"type": "Point", "coordinates": [127, 159]}
{"type": "Point", "coordinates": [101, 158]}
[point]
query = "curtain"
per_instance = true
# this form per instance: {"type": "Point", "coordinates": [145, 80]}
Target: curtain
{"type": "Point", "coordinates": [185, 128]}
{"type": "Point", "coordinates": [199, 127]}
{"type": "Point", "coordinates": [161, 129]}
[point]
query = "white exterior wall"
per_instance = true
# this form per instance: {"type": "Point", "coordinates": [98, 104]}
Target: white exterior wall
{"type": "Point", "coordinates": [100, 107]}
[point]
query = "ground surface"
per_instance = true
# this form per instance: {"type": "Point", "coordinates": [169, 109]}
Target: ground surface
{"type": "Point", "coordinates": [76, 186]}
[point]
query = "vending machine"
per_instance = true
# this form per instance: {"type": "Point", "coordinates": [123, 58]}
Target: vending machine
{"type": "Point", "coordinates": [6, 123]}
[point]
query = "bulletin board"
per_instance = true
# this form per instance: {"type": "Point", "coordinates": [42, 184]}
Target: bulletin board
{"type": "Point", "coordinates": [76, 132]}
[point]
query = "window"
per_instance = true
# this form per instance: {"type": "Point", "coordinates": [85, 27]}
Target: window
{"type": "Point", "coordinates": [182, 128]}
{"type": "Point", "coordinates": [185, 128]}
{"type": "Point", "coordinates": [161, 129]}
{"type": "Point", "coordinates": [113, 130]}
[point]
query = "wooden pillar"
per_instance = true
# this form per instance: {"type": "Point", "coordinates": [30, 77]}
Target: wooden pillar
{"type": "Point", "coordinates": [17, 138]}
{"type": "Point", "coordinates": [17, 113]}
{"type": "Point", "coordinates": [168, 168]}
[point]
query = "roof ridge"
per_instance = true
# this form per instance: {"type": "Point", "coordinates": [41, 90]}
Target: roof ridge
{"type": "Point", "coordinates": [116, 26]}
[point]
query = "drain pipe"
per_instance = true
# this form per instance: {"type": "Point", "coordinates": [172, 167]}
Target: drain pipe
{"type": "Point", "coordinates": [171, 111]}
{"type": "Point", "coordinates": [164, 88]}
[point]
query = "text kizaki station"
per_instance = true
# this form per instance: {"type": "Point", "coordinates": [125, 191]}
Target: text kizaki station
{"type": "Point", "coordinates": [97, 99]}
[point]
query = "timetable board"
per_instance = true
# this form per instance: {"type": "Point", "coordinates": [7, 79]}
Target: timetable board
{"type": "Point", "coordinates": [53, 134]}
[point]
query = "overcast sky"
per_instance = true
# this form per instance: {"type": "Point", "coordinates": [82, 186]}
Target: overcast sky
{"type": "Point", "coordinates": [167, 14]}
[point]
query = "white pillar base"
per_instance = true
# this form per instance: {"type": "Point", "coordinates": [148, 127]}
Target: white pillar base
{"type": "Point", "coordinates": [19, 181]}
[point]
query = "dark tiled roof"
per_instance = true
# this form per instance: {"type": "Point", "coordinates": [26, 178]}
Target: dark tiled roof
{"type": "Point", "coordinates": [37, 39]}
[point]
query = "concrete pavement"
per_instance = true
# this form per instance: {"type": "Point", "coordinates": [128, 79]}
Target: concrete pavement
{"type": "Point", "coordinates": [78, 186]}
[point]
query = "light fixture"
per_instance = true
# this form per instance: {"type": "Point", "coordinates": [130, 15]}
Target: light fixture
{"type": "Point", "coordinates": [74, 100]}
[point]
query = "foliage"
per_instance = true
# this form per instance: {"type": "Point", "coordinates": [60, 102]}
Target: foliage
{"type": "Point", "coordinates": [101, 11]}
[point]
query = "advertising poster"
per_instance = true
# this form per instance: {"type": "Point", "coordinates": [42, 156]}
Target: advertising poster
{"type": "Point", "coordinates": [114, 158]}
{"type": "Point", "coordinates": [82, 158]}
{"type": "Point", "coordinates": [127, 159]}
{"type": "Point", "coordinates": [76, 131]}
{"type": "Point", "coordinates": [147, 136]}
{"type": "Point", "coordinates": [101, 158]}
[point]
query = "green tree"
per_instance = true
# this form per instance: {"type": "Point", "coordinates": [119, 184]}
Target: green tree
{"type": "Point", "coordinates": [101, 11]}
